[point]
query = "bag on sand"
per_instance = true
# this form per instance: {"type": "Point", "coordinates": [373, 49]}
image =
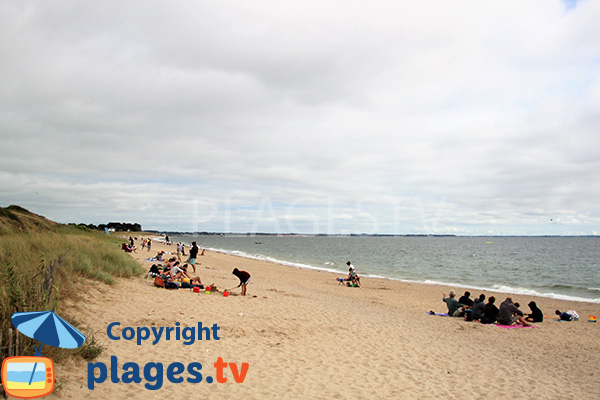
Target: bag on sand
{"type": "Point", "coordinates": [159, 282]}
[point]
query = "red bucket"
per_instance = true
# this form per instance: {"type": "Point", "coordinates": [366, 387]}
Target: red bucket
{"type": "Point", "coordinates": [196, 289]}
{"type": "Point", "coordinates": [225, 293]}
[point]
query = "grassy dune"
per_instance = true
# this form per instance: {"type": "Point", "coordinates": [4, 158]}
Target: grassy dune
{"type": "Point", "coordinates": [43, 263]}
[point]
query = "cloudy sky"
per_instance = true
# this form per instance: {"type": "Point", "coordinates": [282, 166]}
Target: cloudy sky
{"type": "Point", "coordinates": [459, 117]}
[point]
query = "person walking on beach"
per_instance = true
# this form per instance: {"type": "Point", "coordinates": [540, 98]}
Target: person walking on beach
{"type": "Point", "coordinates": [244, 278]}
{"type": "Point", "coordinates": [149, 244]}
{"type": "Point", "coordinates": [193, 255]}
{"type": "Point", "coordinates": [179, 250]}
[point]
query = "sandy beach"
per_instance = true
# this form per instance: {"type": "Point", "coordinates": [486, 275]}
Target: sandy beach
{"type": "Point", "coordinates": [304, 336]}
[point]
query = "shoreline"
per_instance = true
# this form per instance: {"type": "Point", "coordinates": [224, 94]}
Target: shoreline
{"type": "Point", "coordinates": [303, 335]}
{"type": "Point", "coordinates": [499, 289]}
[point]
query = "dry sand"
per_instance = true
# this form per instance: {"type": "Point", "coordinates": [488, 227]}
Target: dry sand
{"type": "Point", "coordinates": [306, 337]}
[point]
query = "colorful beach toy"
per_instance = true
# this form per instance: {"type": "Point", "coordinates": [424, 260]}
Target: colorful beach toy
{"type": "Point", "coordinates": [226, 294]}
{"type": "Point", "coordinates": [592, 318]}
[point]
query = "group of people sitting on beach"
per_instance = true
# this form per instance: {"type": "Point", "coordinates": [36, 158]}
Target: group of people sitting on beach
{"type": "Point", "coordinates": [509, 312]}
{"type": "Point", "coordinates": [173, 275]}
{"type": "Point", "coordinates": [129, 247]}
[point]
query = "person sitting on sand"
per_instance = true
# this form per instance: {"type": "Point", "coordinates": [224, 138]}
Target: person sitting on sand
{"type": "Point", "coordinates": [244, 278]}
{"type": "Point", "coordinates": [126, 247]}
{"type": "Point", "coordinates": [169, 264]}
{"type": "Point", "coordinates": [155, 270]}
{"type": "Point", "coordinates": [490, 311]}
{"type": "Point", "coordinates": [174, 270]}
{"type": "Point", "coordinates": [455, 309]}
{"type": "Point", "coordinates": [536, 314]}
{"type": "Point", "coordinates": [180, 273]}
{"type": "Point", "coordinates": [478, 307]}
{"type": "Point", "coordinates": [192, 278]}
{"type": "Point", "coordinates": [509, 314]}
{"type": "Point", "coordinates": [182, 284]}
{"type": "Point", "coordinates": [466, 300]}
{"type": "Point", "coordinates": [353, 280]}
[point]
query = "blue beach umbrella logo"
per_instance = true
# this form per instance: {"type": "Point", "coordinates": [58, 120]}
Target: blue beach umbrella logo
{"type": "Point", "coordinates": [31, 377]}
{"type": "Point", "coordinates": [48, 328]}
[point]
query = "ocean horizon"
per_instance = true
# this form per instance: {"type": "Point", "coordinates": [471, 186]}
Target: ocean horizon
{"type": "Point", "coordinates": [560, 267]}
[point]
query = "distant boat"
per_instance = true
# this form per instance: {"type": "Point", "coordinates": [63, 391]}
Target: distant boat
{"type": "Point", "coordinates": [257, 242]}
{"type": "Point", "coordinates": [490, 242]}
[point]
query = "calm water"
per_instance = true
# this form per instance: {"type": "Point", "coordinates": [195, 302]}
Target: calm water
{"type": "Point", "coordinates": [558, 267]}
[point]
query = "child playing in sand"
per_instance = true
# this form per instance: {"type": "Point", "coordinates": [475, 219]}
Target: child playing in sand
{"type": "Point", "coordinates": [569, 315]}
{"type": "Point", "coordinates": [244, 278]}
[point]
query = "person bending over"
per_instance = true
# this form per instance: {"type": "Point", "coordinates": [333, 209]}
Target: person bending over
{"type": "Point", "coordinates": [244, 278]}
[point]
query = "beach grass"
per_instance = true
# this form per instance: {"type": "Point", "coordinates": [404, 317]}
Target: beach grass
{"type": "Point", "coordinates": [39, 270]}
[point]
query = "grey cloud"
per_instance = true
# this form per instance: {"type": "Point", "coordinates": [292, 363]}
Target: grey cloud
{"type": "Point", "coordinates": [388, 117]}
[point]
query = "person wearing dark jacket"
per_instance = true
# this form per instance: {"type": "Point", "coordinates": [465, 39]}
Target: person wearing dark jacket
{"type": "Point", "coordinates": [478, 307]}
{"type": "Point", "coordinates": [536, 314]}
{"type": "Point", "coordinates": [490, 311]}
{"type": "Point", "coordinates": [509, 314]}
{"type": "Point", "coordinates": [193, 255]}
{"type": "Point", "coordinates": [465, 299]}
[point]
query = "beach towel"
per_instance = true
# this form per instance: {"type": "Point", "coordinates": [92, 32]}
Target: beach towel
{"type": "Point", "coordinates": [513, 326]}
{"type": "Point", "coordinates": [438, 314]}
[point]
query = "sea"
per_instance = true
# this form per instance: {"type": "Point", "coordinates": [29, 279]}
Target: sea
{"type": "Point", "coordinates": [566, 268]}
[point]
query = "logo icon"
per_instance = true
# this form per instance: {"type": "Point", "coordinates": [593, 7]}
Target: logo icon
{"type": "Point", "coordinates": [30, 377]}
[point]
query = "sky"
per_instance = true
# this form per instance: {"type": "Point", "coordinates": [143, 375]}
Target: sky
{"type": "Point", "coordinates": [392, 117]}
